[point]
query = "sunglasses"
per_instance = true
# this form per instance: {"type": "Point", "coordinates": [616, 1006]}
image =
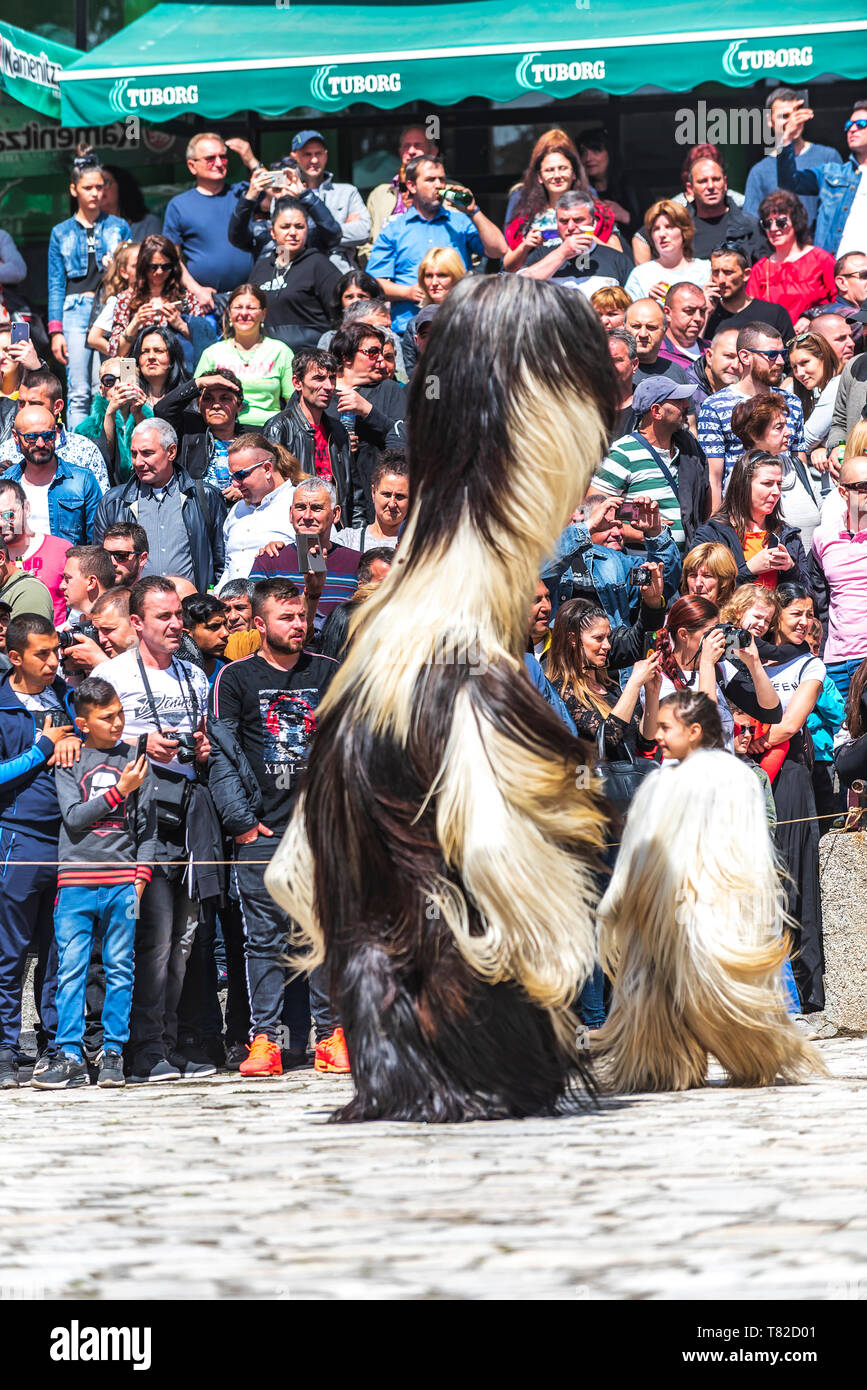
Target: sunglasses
{"type": "Point", "coordinates": [213, 159]}
{"type": "Point", "coordinates": [122, 555]}
{"type": "Point", "coordinates": [860, 488]}
{"type": "Point", "coordinates": [160, 265]}
{"type": "Point", "coordinates": [31, 438]}
{"type": "Point", "coordinates": [243, 473]}
{"type": "Point", "coordinates": [860, 124]}
{"type": "Point", "coordinates": [372, 353]}
{"type": "Point", "coordinates": [779, 223]}
{"type": "Point", "coordinates": [853, 275]}
{"type": "Point", "coordinates": [771, 353]}
{"type": "Point", "coordinates": [109, 380]}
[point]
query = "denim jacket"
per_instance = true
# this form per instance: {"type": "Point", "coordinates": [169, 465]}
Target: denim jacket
{"type": "Point", "coordinates": [836, 185]}
{"type": "Point", "coordinates": [67, 256]}
{"type": "Point", "coordinates": [609, 571]}
{"type": "Point", "coordinates": [73, 497]}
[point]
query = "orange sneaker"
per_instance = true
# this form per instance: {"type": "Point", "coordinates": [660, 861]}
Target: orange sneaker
{"type": "Point", "coordinates": [263, 1059]}
{"type": "Point", "coordinates": [331, 1053]}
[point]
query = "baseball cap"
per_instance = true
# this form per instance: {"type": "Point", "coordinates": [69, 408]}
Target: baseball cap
{"type": "Point", "coordinates": [423, 316]}
{"type": "Point", "coordinates": [300, 140]}
{"type": "Point", "coordinates": [658, 389]}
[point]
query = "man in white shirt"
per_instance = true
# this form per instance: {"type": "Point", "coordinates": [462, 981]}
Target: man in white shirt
{"type": "Point", "coordinates": [264, 512]}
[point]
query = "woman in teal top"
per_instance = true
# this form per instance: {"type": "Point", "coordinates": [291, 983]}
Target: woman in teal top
{"type": "Point", "coordinates": [263, 365]}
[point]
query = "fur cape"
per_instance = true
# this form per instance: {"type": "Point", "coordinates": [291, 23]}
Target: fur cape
{"type": "Point", "coordinates": [440, 857]}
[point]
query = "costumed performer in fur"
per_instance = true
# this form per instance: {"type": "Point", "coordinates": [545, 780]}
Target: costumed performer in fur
{"type": "Point", "coordinates": [691, 934]}
{"type": "Point", "coordinates": [440, 857]}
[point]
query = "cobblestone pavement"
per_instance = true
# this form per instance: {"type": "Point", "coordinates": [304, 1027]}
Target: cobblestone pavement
{"type": "Point", "coordinates": [234, 1189]}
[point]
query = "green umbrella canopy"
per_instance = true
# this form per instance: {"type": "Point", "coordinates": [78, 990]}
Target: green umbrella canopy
{"type": "Point", "coordinates": [215, 60]}
{"type": "Point", "coordinates": [30, 67]}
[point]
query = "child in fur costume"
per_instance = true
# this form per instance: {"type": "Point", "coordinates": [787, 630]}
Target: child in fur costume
{"type": "Point", "coordinates": [691, 928]}
{"type": "Point", "coordinates": [440, 858]}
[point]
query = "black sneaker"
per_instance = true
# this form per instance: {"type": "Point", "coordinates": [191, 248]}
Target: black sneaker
{"type": "Point", "coordinates": [111, 1070]}
{"type": "Point", "coordinates": [236, 1053]}
{"type": "Point", "coordinates": [62, 1073]}
{"type": "Point", "coordinates": [147, 1069]}
{"type": "Point", "coordinates": [42, 1064]}
{"type": "Point", "coordinates": [191, 1069]}
{"type": "Point", "coordinates": [294, 1058]}
{"type": "Point", "coordinates": [8, 1069]}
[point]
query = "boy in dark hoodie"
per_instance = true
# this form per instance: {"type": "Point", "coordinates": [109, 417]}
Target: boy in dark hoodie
{"type": "Point", "coordinates": [107, 845]}
{"type": "Point", "coordinates": [36, 733]}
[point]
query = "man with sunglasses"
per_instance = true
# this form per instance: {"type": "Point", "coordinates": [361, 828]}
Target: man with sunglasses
{"type": "Point", "coordinates": [41, 387]}
{"type": "Point", "coordinates": [764, 363]}
{"type": "Point", "coordinates": [838, 563]}
{"type": "Point", "coordinates": [127, 544]}
{"type": "Point", "coordinates": [198, 222]}
{"type": "Point", "coordinates": [263, 513]}
{"type": "Point", "coordinates": [63, 497]}
{"type": "Point", "coordinates": [841, 224]}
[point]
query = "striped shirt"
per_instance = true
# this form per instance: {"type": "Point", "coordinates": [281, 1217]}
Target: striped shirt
{"type": "Point", "coordinates": [630, 470]}
{"type": "Point", "coordinates": [715, 434]}
{"type": "Point", "coordinates": [341, 580]}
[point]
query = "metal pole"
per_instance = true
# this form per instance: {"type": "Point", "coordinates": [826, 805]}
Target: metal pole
{"type": "Point", "coordinates": [81, 25]}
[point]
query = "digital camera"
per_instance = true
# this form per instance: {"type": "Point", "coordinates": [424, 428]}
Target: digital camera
{"type": "Point", "coordinates": [736, 638]}
{"type": "Point", "coordinates": [186, 747]}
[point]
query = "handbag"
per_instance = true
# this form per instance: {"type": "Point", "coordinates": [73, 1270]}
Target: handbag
{"type": "Point", "coordinates": [620, 777]}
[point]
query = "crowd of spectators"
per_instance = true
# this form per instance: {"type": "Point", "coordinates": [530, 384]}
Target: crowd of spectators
{"type": "Point", "coordinates": [190, 520]}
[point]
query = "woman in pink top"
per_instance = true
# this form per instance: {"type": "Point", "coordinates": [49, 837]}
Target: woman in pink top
{"type": "Point", "coordinates": [39, 555]}
{"type": "Point", "coordinates": [797, 274]}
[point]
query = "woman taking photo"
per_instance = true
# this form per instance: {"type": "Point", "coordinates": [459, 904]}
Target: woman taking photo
{"type": "Point", "coordinates": [160, 360]}
{"type": "Point", "coordinates": [671, 233]}
{"type": "Point", "coordinates": [578, 670]}
{"type": "Point", "coordinates": [157, 298]}
{"type": "Point", "coordinates": [797, 677]}
{"type": "Point", "coordinates": [531, 221]}
{"type": "Point", "coordinates": [709, 571]}
{"type": "Point", "coordinates": [299, 284]}
{"type": "Point", "coordinates": [797, 274]}
{"type": "Point", "coordinates": [262, 365]}
{"type": "Point", "coordinates": [750, 524]}
{"type": "Point", "coordinates": [79, 250]}
{"type": "Point", "coordinates": [692, 647]}
{"type": "Point", "coordinates": [816, 374]}
{"type": "Point", "coordinates": [762, 425]}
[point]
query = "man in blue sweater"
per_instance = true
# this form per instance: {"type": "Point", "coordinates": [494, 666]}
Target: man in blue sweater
{"type": "Point", "coordinates": [36, 732]}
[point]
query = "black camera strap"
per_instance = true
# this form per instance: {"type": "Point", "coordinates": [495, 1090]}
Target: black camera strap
{"type": "Point", "coordinates": [660, 462]}
{"type": "Point", "coordinates": [193, 713]}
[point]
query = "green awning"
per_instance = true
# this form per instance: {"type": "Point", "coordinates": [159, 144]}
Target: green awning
{"type": "Point", "coordinates": [30, 67]}
{"type": "Point", "coordinates": [215, 60]}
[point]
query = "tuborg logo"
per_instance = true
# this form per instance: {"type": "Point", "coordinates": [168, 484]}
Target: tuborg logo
{"type": "Point", "coordinates": [125, 97]}
{"type": "Point", "coordinates": [738, 61]}
{"type": "Point", "coordinates": [327, 89]}
{"type": "Point", "coordinates": [531, 74]}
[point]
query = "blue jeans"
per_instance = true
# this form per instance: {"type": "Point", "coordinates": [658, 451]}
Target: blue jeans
{"type": "Point", "coordinates": [28, 887]}
{"type": "Point", "coordinates": [793, 999]}
{"type": "Point", "coordinates": [111, 912]}
{"type": "Point", "coordinates": [841, 673]}
{"type": "Point", "coordinates": [591, 999]}
{"type": "Point", "coordinates": [79, 369]}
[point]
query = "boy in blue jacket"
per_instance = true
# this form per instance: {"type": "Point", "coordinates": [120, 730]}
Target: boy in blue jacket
{"type": "Point", "coordinates": [36, 733]}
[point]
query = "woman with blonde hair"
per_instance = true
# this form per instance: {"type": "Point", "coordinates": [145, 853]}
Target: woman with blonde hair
{"type": "Point", "coordinates": [709, 570]}
{"type": "Point", "coordinates": [439, 272]}
{"type": "Point", "coordinates": [119, 276]}
{"type": "Point", "coordinates": [671, 233]}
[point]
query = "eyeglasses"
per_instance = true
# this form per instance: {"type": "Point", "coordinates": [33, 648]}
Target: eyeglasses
{"type": "Point", "coordinates": [860, 124]}
{"type": "Point", "coordinates": [372, 353]}
{"type": "Point", "coordinates": [31, 438]}
{"type": "Point", "coordinates": [109, 380]}
{"type": "Point", "coordinates": [860, 488]}
{"type": "Point", "coordinates": [123, 556]}
{"type": "Point", "coordinates": [241, 473]}
{"type": "Point", "coordinates": [853, 275]}
{"type": "Point", "coordinates": [212, 159]}
{"type": "Point", "coordinates": [779, 223]}
{"type": "Point", "coordinates": [771, 353]}
{"type": "Point", "coordinates": [799, 339]}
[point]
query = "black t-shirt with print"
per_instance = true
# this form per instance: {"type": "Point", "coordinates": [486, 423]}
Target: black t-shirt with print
{"type": "Point", "coordinates": [273, 716]}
